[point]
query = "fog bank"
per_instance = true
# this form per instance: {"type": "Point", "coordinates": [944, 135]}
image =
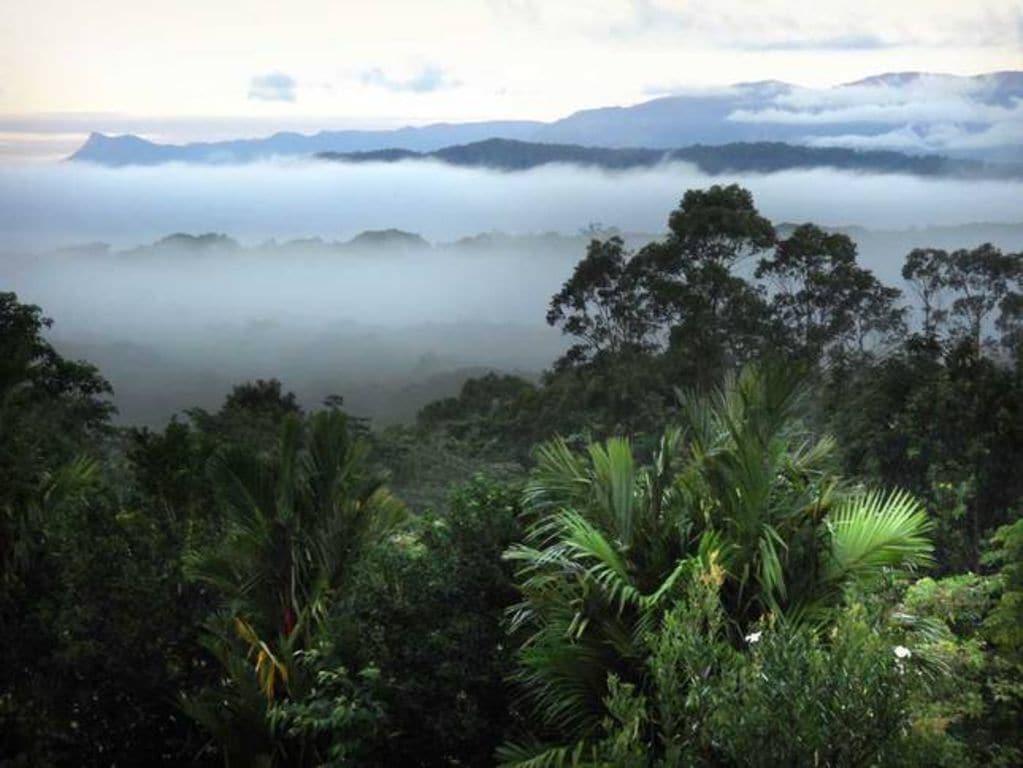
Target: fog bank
{"type": "Point", "coordinates": [44, 205]}
{"type": "Point", "coordinates": [390, 322]}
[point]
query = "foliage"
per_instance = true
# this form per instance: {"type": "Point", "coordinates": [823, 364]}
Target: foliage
{"type": "Point", "coordinates": [427, 613]}
{"type": "Point", "coordinates": [828, 301]}
{"type": "Point", "coordinates": [95, 628]}
{"type": "Point", "coordinates": [340, 714]}
{"type": "Point", "coordinates": [846, 697]}
{"type": "Point", "coordinates": [492, 414]}
{"type": "Point", "coordinates": [978, 704]}
{"type": "Point", "coordinates": [51, 411]}
{"type": "Point", "coordinates": [1004, 626]}
{"type": "Point", "coordinates": [603, 305]}
{"type": "Point", "coordinates": [251, 415]}
{"type": "Point", "coordinates": [296, 526]}
{"type": "Point", "coordinates": [944, 423]}
{"type": "Point", "coordinates": [741, 491]}
{"type": "Point", "coordinates": [685, 568]}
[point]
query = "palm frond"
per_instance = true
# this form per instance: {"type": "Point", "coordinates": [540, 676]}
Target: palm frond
{"type": "Point", "coordinates": [614, 485]}
{"type": "Point", "coordinates": [875, 530]}
{"type": "Point", "coordinates": [560, 479]}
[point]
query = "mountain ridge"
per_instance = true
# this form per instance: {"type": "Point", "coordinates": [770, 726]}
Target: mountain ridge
{"type": "Point", "coordinates": [849, 115]}
{"type": "Point", "coordinates": [754, 157]}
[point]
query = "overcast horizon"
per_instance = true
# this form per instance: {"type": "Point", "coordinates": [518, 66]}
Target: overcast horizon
{"type": "Point", "coordinates": [231, 69]}
{"type": "Point", "coordinates": [209, 71]}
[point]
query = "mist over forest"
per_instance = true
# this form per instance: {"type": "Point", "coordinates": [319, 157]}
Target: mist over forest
{"type": "Point", "coordinates": [46, 205]}
{"type": "Point", "coordinates": [290, 290]}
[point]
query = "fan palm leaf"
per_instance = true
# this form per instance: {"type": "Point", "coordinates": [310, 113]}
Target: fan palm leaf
{"type": "Point", "coordinates": [740, 491]}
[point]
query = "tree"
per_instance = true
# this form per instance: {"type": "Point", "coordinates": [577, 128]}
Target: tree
{"type": "Point", "coordinates": [296, 525]}
{"type": "Point", "coordinates": [941, 413]}
{"type": "Point", "coordinates": [741, 492]}
{"type": "Point", "coordinates": [51, 411]}
{"type": "Point", "coordinates": [714, 318]}
{"type": "Point", "coordinates": [973, 283]}
{"type": "Point", "coordinates": [846, 699]}
{"type": "Point", "coordinates": [822, 297]}
{"type": "Point", "coordinates": [252, 414]}
{"type": "Point", "coordinates": [603, 306]}
{"type": "Point", "coordinates": [984, 279]}
{"type": "Point", "coordinates": [926, 270]}
{"type": "Point", "coordinates": [975, 632]}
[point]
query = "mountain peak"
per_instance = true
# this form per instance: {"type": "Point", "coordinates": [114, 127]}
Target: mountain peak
{"type": "Point", "coordinates": [125, 149]}
{"type": "Point", "coordinates": [893, 79]}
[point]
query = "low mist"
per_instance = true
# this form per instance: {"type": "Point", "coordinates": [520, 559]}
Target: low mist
{"type": "Point", "coordinates": [57, 205]}
{"type": "Point", "coordinates": [388, 321]}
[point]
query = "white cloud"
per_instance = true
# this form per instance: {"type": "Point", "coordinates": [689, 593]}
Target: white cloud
{"type": "Point", "coordinates": [942, 137]}
{"type": "Point", "coordinates": [830, 25]}
{"type": "Point", "coordinates": [64, 203]}
{"type": "Point", "coordinates": [930, 113]}
{"type": "Point", "coordinates": [275, 86]}
{"type": "Point", "coordinates": [426, 80]}
{"type": "Point", "coordinates": [894, 114]}
{"type": "Point", "coordinates": [548, 59]}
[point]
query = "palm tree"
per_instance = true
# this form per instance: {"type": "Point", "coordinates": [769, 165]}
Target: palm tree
{"type": "Point", "coordinates": [740, 490]}
{"type": "Point", "coordinates": [296, 524]}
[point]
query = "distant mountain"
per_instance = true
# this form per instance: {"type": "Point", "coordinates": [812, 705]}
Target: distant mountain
{"type": "Point", "coordinates": [905, 111]}
{"type": "Point", "coordinates": [759, 157]}
{"type": "Point", "coordinates": [131, 150]}
{"type": "Point", "coordinates": [975, 117]}
{"type": "Point", "coordinates": [676, 121]}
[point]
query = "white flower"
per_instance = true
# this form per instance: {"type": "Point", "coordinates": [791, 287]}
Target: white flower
{"type": "Point", "coordinates": [902, 652]}
{"type": "Point", "coordinates": [754, 637]}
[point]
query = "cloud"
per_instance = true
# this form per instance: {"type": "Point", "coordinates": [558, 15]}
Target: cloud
{"type": "Point", "coordinates": [426, 80]}
{"type": "Point", "coordinates": [835, 25]}
{"type": "Point", "coordinates": [888, 99]}
{"type": "Point", "coordinates": [926, 112]}
{"type": "Point", "coordinates": [275, 86]}
{"type": "Point", "coordinates": [890, 114]}
{"type": "Point", "coordinates": [733, 91]}
{"type": "Point", "coordinates": [527, 11]}
{"type": "Point", "coordinates": [848, 42]}
{"type": "Point", "coordinates": [941, 137]}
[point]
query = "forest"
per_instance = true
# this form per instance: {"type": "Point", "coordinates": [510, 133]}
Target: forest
{"type": "Point", "coordinates": [746, 157]}
{"type": "Point", "coordinates": [765, 510]}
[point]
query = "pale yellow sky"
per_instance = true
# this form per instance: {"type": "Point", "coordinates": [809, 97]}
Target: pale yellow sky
{"type": "Point", "coordinates": [416, 61]}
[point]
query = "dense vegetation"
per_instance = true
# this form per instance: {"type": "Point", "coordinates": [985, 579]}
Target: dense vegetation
{"type": "Point", "coordinates": [737, 157]}
{"type": "Point", "coordinates": [765, 511]}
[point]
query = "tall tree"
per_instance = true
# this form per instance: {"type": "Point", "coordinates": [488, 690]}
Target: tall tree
{"type": "Point", "coordinates": [603, 305]}
{"type": "Point", "coordinates": [825, 300]}
{"type": "Point", "coordinates": [927, 272]}
{"type": "Point", "coordinates": [984, 279]}
{"type": "Point", "coordinates": [714, 318]}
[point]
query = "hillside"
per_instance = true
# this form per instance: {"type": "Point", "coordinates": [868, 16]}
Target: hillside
{"type": "Point", "coordinates": [744, 157]}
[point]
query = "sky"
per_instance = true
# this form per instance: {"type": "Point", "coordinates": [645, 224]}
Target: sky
{"type": "Point", "coordinates": [194, 69]}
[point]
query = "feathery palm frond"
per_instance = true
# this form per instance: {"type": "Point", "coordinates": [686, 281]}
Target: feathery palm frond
{"type": "Point", "coordinates": [875, 530]}
{"type": "Point", "coordinates": [741, 492]}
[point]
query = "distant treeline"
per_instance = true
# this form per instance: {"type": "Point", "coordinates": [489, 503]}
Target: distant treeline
{"type": "Point", "coordinates": [748, 157]}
